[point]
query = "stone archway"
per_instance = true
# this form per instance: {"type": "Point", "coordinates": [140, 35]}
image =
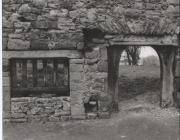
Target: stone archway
{"type": "Point", "coordinates": [166, 55]}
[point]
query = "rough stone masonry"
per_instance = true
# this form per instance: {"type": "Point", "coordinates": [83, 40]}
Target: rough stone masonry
{"type": "Point", "coordinates": [80, 30]}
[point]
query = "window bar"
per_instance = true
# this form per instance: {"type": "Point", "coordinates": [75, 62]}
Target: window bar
{"type": "Point", "coordinates": [45, 72]}
{"type": "Point", "coordinates": [55, 72]}
{"type": "Point", "coordinates": [24, 73]}
{"type": "Point", "coordinates": [14, 73]}
{"type": "Point", "coordinates": [34, 63]}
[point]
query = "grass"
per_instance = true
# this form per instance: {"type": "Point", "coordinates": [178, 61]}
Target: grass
{"type": "Point", "coordinates": [137, 80]}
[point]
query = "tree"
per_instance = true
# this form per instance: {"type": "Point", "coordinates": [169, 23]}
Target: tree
{"type": "Point", "coordinates": [133, 53]}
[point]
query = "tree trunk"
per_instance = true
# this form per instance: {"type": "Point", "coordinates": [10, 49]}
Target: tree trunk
{"type": "Point", "coordinates": [114, 53]}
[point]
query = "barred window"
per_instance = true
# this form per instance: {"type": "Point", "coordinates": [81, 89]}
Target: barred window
{"type": "Point", "coordinates": [39, 77]}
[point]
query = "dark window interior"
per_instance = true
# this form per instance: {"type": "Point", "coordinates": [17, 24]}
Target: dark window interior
{"type": "Point", "coordinates": [39, 77]}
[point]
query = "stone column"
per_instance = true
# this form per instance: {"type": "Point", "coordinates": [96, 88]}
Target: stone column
{"type": "Point", "coordinates": [114, 54]}
{"type": "Point", "coordinates": [6, 90]}
{"type": "Point", "coordinates": [167, 57]}
{"type": "Point", "coordinates": [77, 88]}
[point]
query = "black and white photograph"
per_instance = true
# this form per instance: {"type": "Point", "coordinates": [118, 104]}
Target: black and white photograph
{"type": "Point", "coordinates": [90, 69]}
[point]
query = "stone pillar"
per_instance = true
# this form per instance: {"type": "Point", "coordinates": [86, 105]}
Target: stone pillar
{"type": "Point", "coordinates": [77, 88]}
{"type": "Point", "coordinates": [114, 53]}
{"type": "Point", "coordinates": [167, 57]}
{"type": "Point", "coordinates": [6, 90]}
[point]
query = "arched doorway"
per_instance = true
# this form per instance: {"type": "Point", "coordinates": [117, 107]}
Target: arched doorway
{"type": "Point", "coordinates": [166, 55]}
{"type": "Point", "coordinates": [139, 77]}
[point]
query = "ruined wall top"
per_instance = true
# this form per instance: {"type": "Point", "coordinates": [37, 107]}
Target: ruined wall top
{"type": "Point", "coordinates": [59, 24]}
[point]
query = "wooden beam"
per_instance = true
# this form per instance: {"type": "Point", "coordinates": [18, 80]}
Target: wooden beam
{"type": "Point", "coordinates": [167, 57]}
{"type": "Point", "coordinates": [114, 54]}
{"type": "Point", "coordinates": [133, 40]}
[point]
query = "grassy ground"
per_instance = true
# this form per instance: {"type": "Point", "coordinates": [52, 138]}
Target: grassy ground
{"type": "Point", "coordinates": [138, 80]}
{"type": "Point", "coordinates": [140, 117]}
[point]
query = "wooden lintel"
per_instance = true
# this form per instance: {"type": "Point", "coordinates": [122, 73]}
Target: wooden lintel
{"type": "Point", "coordinates": [132, 40]}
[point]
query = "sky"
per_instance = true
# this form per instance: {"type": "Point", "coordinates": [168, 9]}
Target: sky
{"type": "Point", "coordinates": [147, 51]}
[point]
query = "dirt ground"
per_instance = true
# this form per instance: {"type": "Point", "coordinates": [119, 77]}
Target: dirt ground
{"type": "Point", "coordinates": [139, 118]}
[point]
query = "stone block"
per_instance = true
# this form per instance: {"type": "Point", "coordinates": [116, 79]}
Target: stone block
{"type": "Point", "coordinates": [25, 8]}
{"type": "Point", "coordinates": [6, 74]}
{"type": "Point", "coordinates": [80, 45]}
{"type": "Point", "coordinates": [6, 115]}
{"type": "Point", "coordinates": [91, 115]}
{"type": "Point", "coordinates": [91, 61]}
{"type": "Point", "coordinates": [92, 55]}
{"type": "Point", "coordinates": [90, 68]}
{"type": "Point", "coordinates": [76, 76]}
{"type": "Point", "coordinates": [102, 66]}
{"type": "Point", "coordinates": [28, 17]}
{"type": "Point", "coordinates": [77, 109]}
{"type": "Point", "coordinates": [104, 115]}
{"type": "Point", "coordinates": [65, 118]}
{"type": "Point", "coordinates": [6, 94]}
{"type": "Point", "coordinates": [76, 68]}
{"type": "Point", "coordinates": [22, 99]}
{"type": "Point", "coordinates": [40, 24]}
{"type": "Point", "coordinates": [17, 44]}
{"type": "Point", "coordinates": [78, 117]}
{"type": "Point", "coordinates": [6, 68]}
{"type": "Point", "coordinates": [173, 2]}
{"type": "Point", "coordinates": [24, 25]}
{"type": "Point", "coordinates": [39, 45]}
{"type": "Point", "coordinates": [6, 106]}
{"type": "Point", "coordinates": [76, 61]}
{"type": "Point", "coordinates": [6, 81]}
{"type": "Point", "coordinates": [62, 113]}
{"type": "Point", "coordinates": [18, 120]}
{"type": "Point", "coordinates": [18, 115]}
{"type": "Point", "coordinates": [103, 53]}
{"type": "Point", "coordinates": [54, 119]}
{"type": "Point", "coordinates": [66, 106]}
{"type": "Point", "coordinates": [4, 43]}
{"type": "Point", "coordinates": [39, 3]}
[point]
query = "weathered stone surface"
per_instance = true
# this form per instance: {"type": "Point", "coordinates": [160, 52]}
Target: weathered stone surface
{"type": "Point", "coordinates": [40, 109]}
{"type": "Point", "coordinates": [76, 61]}
{"type": "Point", "coordinates": [54, 119]}
{"type": "Point", "coordinates": [92, 55]}
{"type": "Point", "coordinates": [17, 44]}
{"type": "Point", "coordinates": [76, 68]}
{"type": "Point", "coordinates": [92, 115]}
{"type": "Point", "coordinates": [4, 43]}
{"type": "Point", "coordinates": [39, 45]}
{"type": "Point", "coordinates": [102, 66]}
{"type": "Point", "coordinates": [104, 115]}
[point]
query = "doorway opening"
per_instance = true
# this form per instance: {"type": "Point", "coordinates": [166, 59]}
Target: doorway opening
{"type": "Point", "coordinates": [166, 58]}
{"type": "Point", "coordinates": [139, 80]}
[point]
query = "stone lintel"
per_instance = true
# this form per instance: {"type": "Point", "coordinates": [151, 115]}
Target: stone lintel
{"type": "Point", "coordinates": [40, 54]}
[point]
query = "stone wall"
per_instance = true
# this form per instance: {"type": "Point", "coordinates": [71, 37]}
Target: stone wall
{"type": "Point", "coordinates": [33, 109]}
{"type": "Point", "coordinates": [64, 28]}
{"type": "Point", "coordinates": [54, 24]}
{"type": "Point", "coordinates": [88, 79]}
